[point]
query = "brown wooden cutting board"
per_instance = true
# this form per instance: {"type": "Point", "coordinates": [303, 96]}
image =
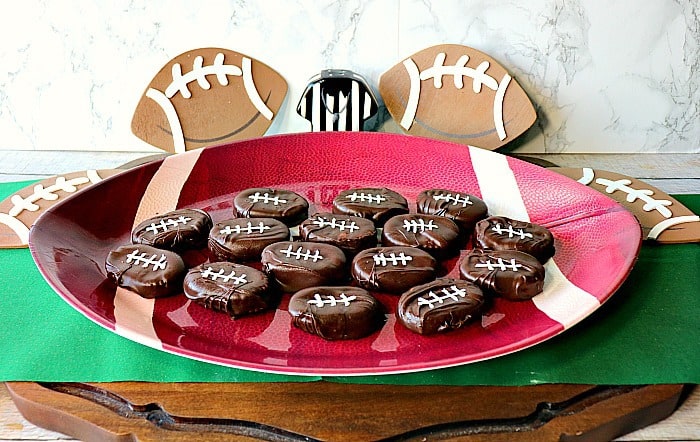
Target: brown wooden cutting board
{"type": "Point", "coordinates": [339, 412]}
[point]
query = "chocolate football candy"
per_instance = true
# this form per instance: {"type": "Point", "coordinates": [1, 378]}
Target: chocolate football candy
{"type": "Point", "coordinates": [296, 265]}
{"type": "Point", "coordinates": [435, 234]}
{"type": "Point", "coordinates": [377, 204]}
{"type": "Point", "coordinates": [460, 207]}
{"type": "Point", "coordinates": [146, 270]}
{"type": "Point", "coordinates": [243, 239]}
{"type": "Point", "coordinates": [513, 275]}
{"type": "Point", "coordinates": [176, 230]}
{"type": "Point", "coordinates": [234, 289]}
{"type": "Point", "coordinates": [336, 313]}
{"type": "Point", "coordinates": [502, 233]}
{"type": "Point", "coordinates": [350, 233]}
{"type": "Point", "coordinates": [284, 205]}
{"type": "Point", "coordinates": [393, 269]}
{"type": "Point", "coordinates": [440, 306]}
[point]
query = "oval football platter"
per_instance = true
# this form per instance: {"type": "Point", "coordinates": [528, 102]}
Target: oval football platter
{"type": "Point", "coordinates": [596, 241]}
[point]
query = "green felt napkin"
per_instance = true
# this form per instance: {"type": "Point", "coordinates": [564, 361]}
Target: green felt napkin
{"type": "Point", "coordinates": [646, 333]}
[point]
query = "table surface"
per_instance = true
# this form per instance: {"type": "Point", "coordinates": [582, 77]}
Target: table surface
{"type": "Point", "coordinates": [672, 173]}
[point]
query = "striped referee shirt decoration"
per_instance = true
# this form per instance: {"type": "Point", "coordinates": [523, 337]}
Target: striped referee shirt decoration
{"type": "Point", "coordinates": [337, 100]}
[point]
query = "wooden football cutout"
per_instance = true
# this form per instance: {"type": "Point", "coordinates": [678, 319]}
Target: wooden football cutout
{"type": "Point", "coordinates": [208, 96]}
{"type": "Point", "coordinates": [663, 218]}
{"type": "Point", "coordinates": [19, 211]}
{"type": "Point", "coordinates": [458, 94]}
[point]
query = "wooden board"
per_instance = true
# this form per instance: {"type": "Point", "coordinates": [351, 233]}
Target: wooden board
{"type": "Point", "coordinates": [456, 93]}
{"type": "Point", "coordinates": [332, 411]}
{"type": "Point", "coordinates": [662, 217]}
{"type": "Point", "coordinates": [208, 96]}
{"type": "Point", "coordinates": [19, 211]}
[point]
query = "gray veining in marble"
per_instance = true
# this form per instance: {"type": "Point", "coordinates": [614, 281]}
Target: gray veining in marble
{"type": "Point", "coordinates": [617, 76]}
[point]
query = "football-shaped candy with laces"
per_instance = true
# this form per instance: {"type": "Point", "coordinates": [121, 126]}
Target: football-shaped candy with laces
{"type": "Point", "coordinates": [458, 94]}
{"type": "Point", "coordinates": [208, 96]}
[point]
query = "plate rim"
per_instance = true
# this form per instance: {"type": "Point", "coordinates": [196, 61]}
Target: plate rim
{"type": "Point", "coordinates": [412, 367]}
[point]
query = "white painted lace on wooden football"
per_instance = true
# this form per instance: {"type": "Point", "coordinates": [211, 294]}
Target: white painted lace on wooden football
{"type": "Point", "coordinates": [458, 71]}
{"type": "Point", "coordinates": [561, 300]}
{"type": "Point", "coordinates": [39, 193]}
{"type": "Point", "coordinates": [644, 195]}
{"type": "Point", "coordinates": [181, 83]}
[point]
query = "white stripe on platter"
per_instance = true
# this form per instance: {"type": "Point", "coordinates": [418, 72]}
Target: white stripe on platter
{"type": "Point", "coordinates": [133, 314]}
{"type": "Point", "coordinates": [132, 318]}
{"type": "Point", "coordinates": [560, 300]}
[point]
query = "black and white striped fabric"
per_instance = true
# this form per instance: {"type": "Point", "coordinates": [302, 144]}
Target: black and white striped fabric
{"type": "Point", "coordinates": [337, 100]}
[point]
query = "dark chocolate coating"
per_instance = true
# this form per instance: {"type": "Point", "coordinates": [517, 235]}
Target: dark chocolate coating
{"type": "Point", "coordinates": [230, 288]}
{"type": "Point", "coordinates": [336, 313]}
{"type": "Point", "coordinates": [243, 239]}
{"type": "Point", "coordinates": [435, 234]}
{"type": "Point", "coordinates": [146, 270]}
{"type": "Point", "coordinates": [513, 275]}
{"type": "Point", "coordinates": [440, 306]}
{"type": "Point", "coordinates": [284, 205]}
{"type": "Point", "coordinates": [501, 233]}
{"type": "Point", "coordinates": [350, 233]}
{"type": "Point", "coordinates": [374, 203]}
{"type": "Point", "coordinates": [176, 230]}
{"type": "Point", "coordinates": [296, 265]}
{"type": "Point", "coordinates": [393, 269]}
{"type": "Point", "coordinates": [462, 208]}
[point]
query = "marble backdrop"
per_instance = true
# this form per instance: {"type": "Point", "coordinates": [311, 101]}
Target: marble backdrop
{"type": "Point", "coordinates": [605, 76]}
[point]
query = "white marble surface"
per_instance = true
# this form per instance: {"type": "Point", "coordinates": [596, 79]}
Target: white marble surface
{"type": "Point", "coordinates": [617, 76]}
